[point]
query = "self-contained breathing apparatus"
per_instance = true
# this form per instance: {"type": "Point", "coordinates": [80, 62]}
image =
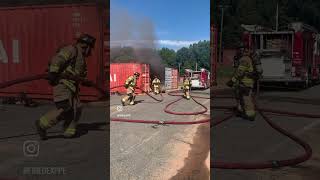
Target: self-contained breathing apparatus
{"type": "Point", "coordinates": [256, 62]}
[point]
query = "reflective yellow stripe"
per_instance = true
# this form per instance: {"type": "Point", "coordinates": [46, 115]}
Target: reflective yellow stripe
{"type": "Point", "coordinates": [44, 122]}
{"type": "Point", "coordinates": [69, 84]}
{"type": "Point", "coordinates": [65, 54]}
{"type": "Point", "coordinates": [251, 113]}
{"type": "Point", "coordinates": [70, 131]}
{"type": "Point", "coordinates": [54, 68]}
{"type": "Point", "coordinates": [247, 82]}
{"type": "Point", "coordinates": [243, 68]}
{"type": "Point", "coordinates": [69, 69]}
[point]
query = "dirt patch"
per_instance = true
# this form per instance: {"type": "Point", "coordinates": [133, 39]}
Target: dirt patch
{"type": "Point", "coordinates": [190, 155]}
{"type": "Point", "coordinates": [197, 163]}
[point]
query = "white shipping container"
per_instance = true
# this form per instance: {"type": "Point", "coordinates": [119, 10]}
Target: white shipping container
{"type": "Point", "coordinates": [168, 78]}
{"type": "Point", "coordinates": [171, 78]}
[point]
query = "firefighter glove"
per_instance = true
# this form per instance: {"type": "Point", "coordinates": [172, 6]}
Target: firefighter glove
{"type": "Point", "coordinates": [53, 78]}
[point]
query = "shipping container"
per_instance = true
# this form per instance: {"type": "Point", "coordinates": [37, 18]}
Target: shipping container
{"type": "Point", "coordinates": [119, 72]}
{"type": "Point", "coordinates": [171, 78]}
{"type": "Point", "coordinates": [168, 78]}
{"type": "Point", "coordinates": [213, 54]}
{"type": "Point", "coordinates": [174, 84]}
{"type": "Point", "coordinates": [30, 36]}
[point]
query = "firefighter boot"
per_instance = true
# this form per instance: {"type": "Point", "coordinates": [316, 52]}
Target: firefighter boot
{"type": "Point", "coordinates": [132, 100]}
{"type": "Point", "coordinates": [250, 113]}
{"type": "Point", "coordinates": [156, 90]}
{"type": "Point", "coordinates": [71, 129]}
{"type": "Point", "coordinates": [249, 108]}
{"type": "Point", "coordinates": [125, 100]}
{"type": "Point", "coordinates": [47, 121]}
{"type": "Point", "coordinates": [70, 124]}
{"type": "Point", "coordinates": [42, 132]}
{"type": "Point", "coordinates": [187, 95]}
{"type": "Point", "coordinates": [70, 132]}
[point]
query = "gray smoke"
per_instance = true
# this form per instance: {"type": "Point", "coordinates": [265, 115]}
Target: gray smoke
{"type": "Point", "coordinates": [133, 38]}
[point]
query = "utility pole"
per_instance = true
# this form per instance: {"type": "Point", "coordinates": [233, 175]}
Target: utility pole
{"type": "Point", "coordinates": [277, 17]}
{"type": "Point", "coordinates": [221, 30]}
{"type": "Point", "coordinates": [179, 67]}
{"type": "Point", "coordinates": [196, 66]}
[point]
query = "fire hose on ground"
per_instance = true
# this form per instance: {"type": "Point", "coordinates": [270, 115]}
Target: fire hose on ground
{"type": "Point", "coordinates": [215, 164]}
{"type": "Point", "coordinates": [273, 163]}
{"type": "Point", "coordinates": [43, 76]}
{"type": "Point", "coordinates": [166, 109]}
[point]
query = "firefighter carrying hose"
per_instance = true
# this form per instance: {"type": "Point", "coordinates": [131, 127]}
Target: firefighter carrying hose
{"type": "Point", "coordinates": [243, 80]}
{"type": "Point", "coordinates": [130, 85]}
{"type": "Point", "coordinates": [156, 85]}
{"type": "Point", "coordinates": [186, 87]}
{"type": "Point", "coordinates": [65, 69]}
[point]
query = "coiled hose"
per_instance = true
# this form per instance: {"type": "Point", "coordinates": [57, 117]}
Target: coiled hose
{"type": "Point", "coordinates": [166, 109]}
{"type": "Point", "coordinates": [272, 163]}
{"type": "Point", "coordinates": [215, 164]}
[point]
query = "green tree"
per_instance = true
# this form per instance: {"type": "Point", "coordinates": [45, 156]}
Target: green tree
{"type": "Point", "coordinates": [168, 57]}
{"type": "Point", "coordinates": [184, 57]}
{"type": "Point", "coordinates": [262, 12]}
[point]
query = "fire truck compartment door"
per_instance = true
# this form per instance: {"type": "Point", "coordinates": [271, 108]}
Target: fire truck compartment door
{"type": "Point", "coordinates": [273, 66]}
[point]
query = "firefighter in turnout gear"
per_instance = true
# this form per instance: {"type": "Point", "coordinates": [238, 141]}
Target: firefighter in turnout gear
{"type": "Point", "coordinates": [130, 85]}
{"type": "Point", "coordinates": [243, 82]}
{"type": "Point", "coordinates": [156, 85]}
{"type": "Point", "coordinates": [67, 69]}
{"type": "Point", "coordinates": [186, 87]}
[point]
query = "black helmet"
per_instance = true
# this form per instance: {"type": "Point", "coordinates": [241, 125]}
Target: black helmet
{"type": "Point", "coordinates": [87, 39]}
{"type": "Point", "coordinates": [136, 74]}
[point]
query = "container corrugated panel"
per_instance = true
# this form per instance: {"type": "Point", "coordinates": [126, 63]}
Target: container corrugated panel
{"type": "Point", "coordinates": [174, 79]}
{"type": "Point", "coordinates": [119, 72]}
{"type": "Point", "coordinates": [30, 36]}
{"type": "Point", "coordinates": [174, 72]}
{"type": "Point", "coordinates": [171, 78]}
{"type": "Point", "coordinates": [168, 78]}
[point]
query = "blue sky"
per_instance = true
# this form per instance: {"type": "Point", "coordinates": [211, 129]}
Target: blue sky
{"type": "Point", "coordinates": [176, 23]}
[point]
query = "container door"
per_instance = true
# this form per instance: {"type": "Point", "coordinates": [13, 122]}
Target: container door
{"type": "Point", "coordinates": [168, 78]}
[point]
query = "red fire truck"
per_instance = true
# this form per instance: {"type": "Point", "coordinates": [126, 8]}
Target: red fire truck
{"type": "Point", "coordinates": [199, 79]}
{"type": "Point", "coordinates": [287, 56]}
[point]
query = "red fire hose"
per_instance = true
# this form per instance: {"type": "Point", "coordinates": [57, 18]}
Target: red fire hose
{"type": "Point", "coordinates": [166, 109]}
{"type": "Point", "coordinates": [215, 164]}
{"type": "Point", "coordinates": [39, 77]}
{"type": "Point", "coordinates": [273, 163]}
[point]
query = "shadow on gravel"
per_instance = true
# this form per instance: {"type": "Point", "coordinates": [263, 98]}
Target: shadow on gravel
{"type": "Point", "coordinates": [82, 129]}
{"type": "Point", "coordinates": [195, 164]}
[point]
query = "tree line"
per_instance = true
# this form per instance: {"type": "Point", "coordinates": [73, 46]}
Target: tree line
{"type": "Point", "coordinates": [196, 55]}
{"type": "Point", "coordinates": [262, 12]}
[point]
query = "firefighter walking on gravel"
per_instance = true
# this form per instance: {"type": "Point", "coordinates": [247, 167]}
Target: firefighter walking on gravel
{"type": "Point", "coordinates": [186, 87]}
{"type": "Point", "coordinates": [66, 70]}
{"type": "Point", "coordinates": [130, 85]}
{"type": "Point", "coordinates": [156, 85]}
{"type": "Point", "coordinates": [243, 82]}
